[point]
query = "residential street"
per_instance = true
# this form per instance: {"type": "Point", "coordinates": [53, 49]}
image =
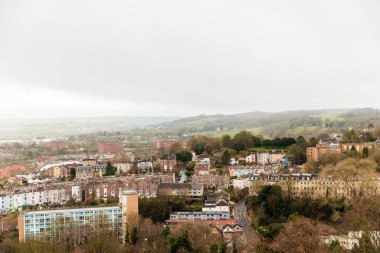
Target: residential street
{"type": "Point", "coordinates": [240, 213]}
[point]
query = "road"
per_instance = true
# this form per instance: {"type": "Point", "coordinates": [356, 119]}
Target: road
{"type": "Point", "coordinates": [240, 213]}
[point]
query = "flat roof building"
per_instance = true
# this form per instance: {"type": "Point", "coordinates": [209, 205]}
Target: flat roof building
{"type": "Point", "coordinates": [49, 225]}
{"type": "Point", "coordinates": [80, 223]}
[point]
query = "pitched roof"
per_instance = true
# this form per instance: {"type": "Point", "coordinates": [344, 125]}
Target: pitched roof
{"type": "Point", "coordinates": [219, 223]}
{"type": "Point", "coordinates": [180, 186]}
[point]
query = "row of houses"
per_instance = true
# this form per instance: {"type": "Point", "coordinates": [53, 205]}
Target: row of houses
{"type": "Point", "coordinates": [311, 185]}
{"type": "Point", "coordinates": [247, 171]}
{"type": "Point", "coordinates": [39, 196]}
{"type": "Point", "coordinates": [15, 198]}
{"type": "Point", "coordinates": [212, 181]}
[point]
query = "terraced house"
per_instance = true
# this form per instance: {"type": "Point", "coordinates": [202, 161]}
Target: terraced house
{"type": "Point", "coordinates": [316, 186]}
{"type": "Point", "coordinates": [32, 196]}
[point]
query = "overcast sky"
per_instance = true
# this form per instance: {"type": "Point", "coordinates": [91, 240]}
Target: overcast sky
{"type": "Point", "coordinates": [158, 57]}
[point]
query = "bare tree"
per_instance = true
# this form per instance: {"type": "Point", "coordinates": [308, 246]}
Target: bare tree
{"type": "Point", "coordinates": [352, 177]}
{"type": "Point", "coordinates": [364, 216]}
{"type": "Point", "coordinates": [301, 235]}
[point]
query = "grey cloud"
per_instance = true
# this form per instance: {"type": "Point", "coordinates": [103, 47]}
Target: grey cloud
{"type": "Point", "coordinates": [226, 55]}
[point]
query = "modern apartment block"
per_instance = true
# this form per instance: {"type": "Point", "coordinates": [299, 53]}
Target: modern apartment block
{"type": "Point", "coordinates": [80, 223]}
{"type": "Point", "coordinates": [49, 225]}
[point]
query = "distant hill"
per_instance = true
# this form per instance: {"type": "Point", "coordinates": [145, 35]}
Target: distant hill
{"type": "Point", "coordinates": [289, 123]}
{"type": "Point", "coordinates": [29, 128]}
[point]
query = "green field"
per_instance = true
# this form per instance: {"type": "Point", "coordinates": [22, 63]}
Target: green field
{"type": "Point", "coordinates": [258, 149]}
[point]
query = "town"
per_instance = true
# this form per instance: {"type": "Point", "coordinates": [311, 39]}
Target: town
{"type": "Point", "coordinates": [189, 126]}
{"type": "Point", "coordinates": [208, 182]}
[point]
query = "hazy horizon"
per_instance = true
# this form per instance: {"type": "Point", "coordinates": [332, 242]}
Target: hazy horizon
{"type": "Point", "coordinates": [174, 116]}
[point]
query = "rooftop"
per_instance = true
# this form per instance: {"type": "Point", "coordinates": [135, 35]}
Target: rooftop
{"type": "Point", "coordinates": [108, 208]}
{"type": "Point", "coordinates": [180, 186]}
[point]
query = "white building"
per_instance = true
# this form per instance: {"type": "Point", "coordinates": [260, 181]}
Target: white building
{"type": "Point", "coordinates": [200, 216]}
{"type": "Point", "coordinates": [262, 158]}
{"type": "Point", "coordinates": [241, 183]}
{"type": "Point", "coordinates": [19, 200]}
{"type": "Point", "coordinates": [145, 166]}
{"type": "Point", "coordinates": [216, 206]}
{"type": "Point", "coordinates": [233, 161]}
{"type": "Point", "coordinates": [203, 159]}
{"type": "Point", "coordinates": [345, 241]}
{"type": "Point", "coordinates": [251, 158]}
{"type": "Point", "coordinates": [75, 192]}
{"type": "Point", "coordinates": [122, 167]}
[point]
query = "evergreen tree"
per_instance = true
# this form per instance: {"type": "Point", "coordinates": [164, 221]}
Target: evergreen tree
{"type": "Point", "coordinates": [72, 174]}
{"type": "Point", "coordinates": [184, 156]}
{"type": "Point", "coordinates": [127, 236]}
{"type": "Point", "coordinates": [234, 248]}
{"type": "Point", "coordinates": [226, 141]}
{"type": "Point", "coordinates": [110, 170]}
{"type": "Point", "coordinates": [214, 248]}
{"type": "Point", "coordinates": [134, 235]}
{"type": "Point", "coordinates": [365, 152]}
{"type": "Point", "coordinates": [181, 242]}
{"type": "Point", "coordinates": [223, 248]}
{"type": "Point", "coordinates": [226, 157]}
{"type": "Point", "coordinates": [165, 232]}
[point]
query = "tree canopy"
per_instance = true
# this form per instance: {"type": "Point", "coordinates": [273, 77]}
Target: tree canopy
{"type": "Point", "coordinates": [184, 156]}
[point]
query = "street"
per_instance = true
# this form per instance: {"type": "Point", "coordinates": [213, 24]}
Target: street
{"type": "Point", "coordinates": [240, 213]}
